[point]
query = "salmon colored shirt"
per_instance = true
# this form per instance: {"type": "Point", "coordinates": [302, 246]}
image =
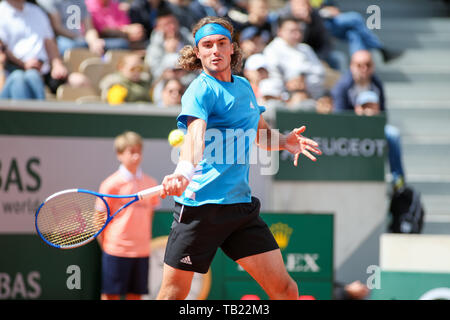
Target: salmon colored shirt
{"type": "Point", "coordinates": [129, 233]}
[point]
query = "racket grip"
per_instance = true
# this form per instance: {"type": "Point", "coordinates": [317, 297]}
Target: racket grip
{"type": "Point", "coordinates": [149, 192]}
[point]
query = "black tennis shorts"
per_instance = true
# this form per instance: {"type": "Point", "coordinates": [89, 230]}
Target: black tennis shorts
{"type": "Point", "coordinates": [197, 232]}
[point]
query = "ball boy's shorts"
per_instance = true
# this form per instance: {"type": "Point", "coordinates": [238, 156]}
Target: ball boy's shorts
{"type": "Point", "coordinates": [122, 275]}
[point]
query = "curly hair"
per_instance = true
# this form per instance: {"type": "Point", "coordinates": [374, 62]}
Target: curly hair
{"type": "Point", "coordinates": [188, 59]}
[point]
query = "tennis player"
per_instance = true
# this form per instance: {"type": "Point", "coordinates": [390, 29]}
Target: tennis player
{"type": "Point", "coordinates": [213, 203]}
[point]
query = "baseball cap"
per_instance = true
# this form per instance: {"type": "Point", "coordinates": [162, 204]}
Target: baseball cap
{"type": "Point", "coordinates": [252, 31]}
{"type": "Point", "coordinates": [170, 61]}
{"type": "Point", "coordinates": [271, 87]}
{"type": "Point", "coordinates": [255, 62]}
{"type": "Point", "coordinates": [294, 71]}
{"type": "Point", "coordinates": [367, 97]}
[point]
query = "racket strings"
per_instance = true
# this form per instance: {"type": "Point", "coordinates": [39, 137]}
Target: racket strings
{"type": "Point", "coordinates": [71, 218]}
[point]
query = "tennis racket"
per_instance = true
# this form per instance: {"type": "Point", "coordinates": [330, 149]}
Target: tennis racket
{"type": "Point", "coordinates": [74, 217]}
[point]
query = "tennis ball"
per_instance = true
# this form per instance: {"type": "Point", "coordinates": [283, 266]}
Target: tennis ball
{"type": "Point", "coordinates": [176, 138]}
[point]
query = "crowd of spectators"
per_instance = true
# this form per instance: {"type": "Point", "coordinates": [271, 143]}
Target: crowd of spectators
{"type": "Point", "coordinates": [289, 54]}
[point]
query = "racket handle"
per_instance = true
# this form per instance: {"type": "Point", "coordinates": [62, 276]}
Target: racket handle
{"type": "Point", "coordinates": [149, 192]}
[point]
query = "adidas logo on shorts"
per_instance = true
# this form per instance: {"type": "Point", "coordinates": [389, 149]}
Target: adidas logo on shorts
{"type": "Point", "coordinates": [186, 260]}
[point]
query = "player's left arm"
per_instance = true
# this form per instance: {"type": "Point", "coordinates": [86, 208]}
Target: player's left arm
{"type": "Point", "coordinates": [272, 140]}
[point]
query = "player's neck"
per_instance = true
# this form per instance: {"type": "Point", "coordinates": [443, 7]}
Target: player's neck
{"type": "Point", "coordinates": [224, 75]}
{"type": "Point", "coordinates": [131, 169]}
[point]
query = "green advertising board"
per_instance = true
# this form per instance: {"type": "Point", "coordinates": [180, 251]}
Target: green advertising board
{"type": "Point", "coordinates": [306, 243]}
{"type": "Point", "coordinates": [353, 147]}
{"type": "Point", "coordinates": [83, 124]}
{"type": "Point", "coordinates": [398, 285]}
{"type": "Point", "coordinates": [30, 269]}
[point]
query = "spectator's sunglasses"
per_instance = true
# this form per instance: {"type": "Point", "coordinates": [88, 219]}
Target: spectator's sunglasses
{"type": "Point", "coordinates": [367, 64]}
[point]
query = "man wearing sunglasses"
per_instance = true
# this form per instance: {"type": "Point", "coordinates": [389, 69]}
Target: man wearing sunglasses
{"type": "Point", "coordinates": [361, 77]}
{"type": "Point", "coordinates": [358, 82]}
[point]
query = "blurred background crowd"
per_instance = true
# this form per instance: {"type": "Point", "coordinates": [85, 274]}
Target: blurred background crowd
{"type": "Point", "coordinates": [126, 51]}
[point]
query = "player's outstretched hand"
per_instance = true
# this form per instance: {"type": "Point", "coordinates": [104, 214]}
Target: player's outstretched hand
{"type": "Point", "coordinates": [298, 144]}
{"type": "Point", "coordinates": [173, 185]}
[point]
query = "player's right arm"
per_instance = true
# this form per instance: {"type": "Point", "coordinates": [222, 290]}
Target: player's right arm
{"type": "Point", "coordinates": [191, 154]}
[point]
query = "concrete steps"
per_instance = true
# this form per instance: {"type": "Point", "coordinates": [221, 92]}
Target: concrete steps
{"type": "Point", "coordinates": [423, 93]}
{"type": "Point", "coordinates": [417, 86]}
{"type": "Point", "coordinates": [421, 159]}
{"type": "Point", "coordinates": [399, 9]}
{"type": "Point", "coordinates": [426, 121]}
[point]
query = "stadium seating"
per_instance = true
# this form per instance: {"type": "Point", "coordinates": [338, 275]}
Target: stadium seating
{"type": "Point", "coordinates": [95, 69]}
{"type": "Point", "coordinates": [113, 56]}
{"type": "Point", "coordinates": [74, 57]}
{"type": "Point", "coordinates": [83, 94]}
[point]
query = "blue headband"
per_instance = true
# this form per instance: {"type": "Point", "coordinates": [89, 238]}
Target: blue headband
{"type": "Point", "coordinates": [210, 29]}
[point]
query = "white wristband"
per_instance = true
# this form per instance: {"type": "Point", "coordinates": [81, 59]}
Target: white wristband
{"type": "Point", "coordinates": [185, 168]}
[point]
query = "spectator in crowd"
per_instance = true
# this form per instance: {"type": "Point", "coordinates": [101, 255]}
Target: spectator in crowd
{"type": "Point", "coordinates": [367, 104]}
{"type": "Point", "coordinates": [145, 12]}
{"type": "Point", "coordinates": [170, 69]}
{"type": "Point", "coordinates": [324, 104]}
{"type": "Point", "coordinates": [70, 32]}
{"type": "Point", "coordinates": [271, 89]}
{"type": "Point", "coordinates": [256, 70]}
{"type": "Point", "coordinates": [360, 86]}
{"type": "Point", "coordinates": [296, 87]}
{"type": "Point", "coordinates": [300, 100]}
{"type": "Point", "coordinates": [21, 84]}
{"type": "Point", "coordinates": [272, 95]}
{"type": "Point", "coordinates": [128, 84]}
{"type": "Point", "coordinates": [172, 90]}
{"type": "Point", "coordinates": [168, 37]}
{"type": "Point", "coordinates": [212, 8]}
{"type": "Point", "coordinates": [351, 27]}
{"type": "Point", "coordinates": [3, 60]}
{"type": "Point", "coordinates": [360, 77]}
{"type": "Point", "coordinates": [315, 33]}
{"type": "Point", "coordinates": [33, 57]}
{"type": "Point", "coordinates": [184, 12]}
{"type": "Point", "coordinates": [260, 18]}
{"type": "Point", "coordinates": [114, 24]}
{"type": "Point", "coordinates": [295, 81]}
{"type": "Point", "coordinates": [125, 242]}
{"type": "Point", "coordinates": [287, 54]}
{"type": "Point", "coordinates": [240, 5]}
{"type": "Point", "coordinates": [252, 40]}
{"type": "Point", "coordinates": [124, 5]}
{"type": "Point", "coordinates": [221, 8]}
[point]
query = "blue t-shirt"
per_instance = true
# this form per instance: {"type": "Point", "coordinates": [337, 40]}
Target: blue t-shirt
{"type": "Point", "coordinates": [232, 114]}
